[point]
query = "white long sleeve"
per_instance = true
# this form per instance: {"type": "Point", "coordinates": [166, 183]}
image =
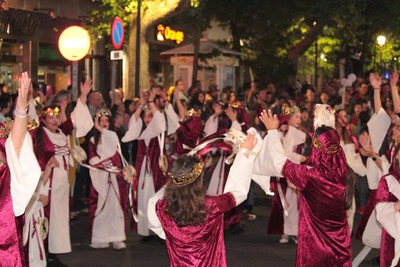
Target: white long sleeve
{"type": "Point", "coordinates": [154, 223]}
{"type": "Point", "coordinates": [82, 120]}
{"type": "Point", "coordinates": [25, 173]}
{"type": "Point", "coordinates": [271, 158]}
{"type": "Point", "coordinates": [172, 119]}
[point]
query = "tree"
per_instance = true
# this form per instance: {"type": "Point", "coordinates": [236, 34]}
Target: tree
{"type": "Point", "coordinates": [151, 12]}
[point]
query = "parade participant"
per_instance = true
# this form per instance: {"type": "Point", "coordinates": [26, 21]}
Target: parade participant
{"type": "Point", "coordinates": [324, 236]}
{"type": "Point", "coordinates": [190, 129]}
{"type": "Point", "coordinates": [145, 125]}
{"type": "Point", "coordinates": [388, 207]}
{"type": "Point", "coordinates": [50, 139]}
{"type": "Point", "coordinates": [221, 121]}
{"type": "Point", "coordinates": [387, 195]}
{"type": "Point", "coordinates": [191, 221]}
{"type": "Point", "coordinates": [20, 173]}
{"type": "Point", "coordinates": [371, 140]}
{"type": "Point", "coordinates": [284, 217]}
{"type": "Point", "coordinates": [108, 200]}
{"type": "Point", "coordinates": [36, 224]}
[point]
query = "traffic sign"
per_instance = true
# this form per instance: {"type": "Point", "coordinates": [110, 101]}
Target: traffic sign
{"type": "Point", "coordinates": [116, 55]}
{"type": "Point", "coordinates": [117, 33]}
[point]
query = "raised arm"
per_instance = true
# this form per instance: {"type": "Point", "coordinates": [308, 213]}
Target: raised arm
{"type": "Point", "coordinates": [85, 90]}
{"type": "Point", "coordinates": [376, 83]}
{"type": "Point", "coordinates": [394, 78]}
{"type": "Point", "coordinates": [153, 107]}
{"type": "Point", "coordinates": [21, 119]}
{"type": "Point", "coordinates": [181, 108]}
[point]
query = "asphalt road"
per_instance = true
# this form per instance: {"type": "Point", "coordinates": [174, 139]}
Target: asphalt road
{"type": "Point", "coordinates": [252, 248]}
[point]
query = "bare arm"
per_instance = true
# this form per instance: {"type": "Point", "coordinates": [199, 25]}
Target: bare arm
{"type": "Point", "coordinates": [178, 102]}
{"type": "Point", "coordinates": [85, 89]}
{"type": "Point", "coordinates": [21, 119]}
{"type": "Point", "coordinates": [394, 77]}
{"type": "Point", "coordinates": [152, 105]}
{"type": "Point", "coordinates": [376, 83]}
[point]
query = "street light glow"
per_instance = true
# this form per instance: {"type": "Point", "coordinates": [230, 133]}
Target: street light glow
{"type": "Point", "coordinates": [381, 39]}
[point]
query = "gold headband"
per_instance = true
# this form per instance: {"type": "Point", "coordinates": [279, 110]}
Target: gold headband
{"type": "Point", "coordinates": [51, 111]}
{"type": "Point", "coordinates": [318, 145]}
{"type": "Point", "coordinates": [236, 104]}
{"type": "Point", "coordinates": [290, 110]}
{"type": "Point", "coordinates": [193, 113]}
{"type": "Point", "coordinates": [104, 112]}
{"type": "Point", "coordinates": [187, 178]}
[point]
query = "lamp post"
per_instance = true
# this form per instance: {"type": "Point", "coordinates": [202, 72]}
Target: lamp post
{"type": "Point", "coordinates": [381, 40]}
{"type": "Point", "coordinates": [74, 44]}
{"type": "Point", "coordinates": [137, 63]}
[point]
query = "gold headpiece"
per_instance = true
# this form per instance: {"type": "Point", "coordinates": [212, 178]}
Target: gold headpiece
{"type": "Point", "coordinates": [236, 104]}
{"type": "Point", "coordinates": [5, 128]}
{"type": "Point", "coordinates": [51, 111]}
{"type": "Point", "coordinates": [187, 178]}
{"type": "Point", "coordinates": [104, 112]}
{"type": "Point", "coordinates": [290, 110]}
{"type": "Point", "coordinates": [318, 145]}
{"type": "Point", "coordinates": [193, 113]}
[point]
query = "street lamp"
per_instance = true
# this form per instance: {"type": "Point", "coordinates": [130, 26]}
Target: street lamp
{"type": "Point", "coordinates": [381, 39]}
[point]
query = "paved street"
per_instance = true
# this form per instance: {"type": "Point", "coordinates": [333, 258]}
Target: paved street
{"type": "Point", "coordinates": [252, 248]}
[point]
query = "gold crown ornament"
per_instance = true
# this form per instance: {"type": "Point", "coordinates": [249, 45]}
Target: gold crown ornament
{"type": "Point", "coordinates": [193, 113]}
{"type": "Point", "coordinates": [290, 110]}
{"type": "Point", "coordinates": [236, 104]}
{"type": "Point", "coordinates": [187, 178]}
{"type": "Point", "coordinates": [104, 112]}
{"type": "Point", "coordinates": [51, 111]}
{"type": "Point", "coordinates": [318, 145]}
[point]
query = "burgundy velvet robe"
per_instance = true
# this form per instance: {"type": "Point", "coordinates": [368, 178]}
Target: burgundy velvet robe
{"type": "Point", "coordinates": [324, 234]}
{"type": "Point", "coordinates": [202, 245]}
{"type": "Point", "coordinates": [188, 134]}
{"type": "Point", "coordinates": [387, 241]}
{"type": "Point", "coordinates": [12, 252]}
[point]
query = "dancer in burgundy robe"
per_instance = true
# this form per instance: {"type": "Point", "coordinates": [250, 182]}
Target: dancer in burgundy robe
{"type": "Point", "coordinates": [324, 236]}
{"type": "Point", "coordinates": [194, 236]}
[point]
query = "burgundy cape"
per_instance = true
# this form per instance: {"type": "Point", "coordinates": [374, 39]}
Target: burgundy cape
{"type": "Point", "coordinates": [11, 248]}
{"type": "Point", "coordinates": [324, 234]}
{"type": "Point", "coordinates": [387, 241]}
{"type": "Point", "coordinates": [201, 245]}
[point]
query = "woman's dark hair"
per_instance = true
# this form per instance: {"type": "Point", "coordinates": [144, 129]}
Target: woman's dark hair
{"type": "Point", "coordinates": [194, 100]}
{"type": "Point", "coordinates": [186, 203]}
{"type": "Point", "coordinates": [350, 187]}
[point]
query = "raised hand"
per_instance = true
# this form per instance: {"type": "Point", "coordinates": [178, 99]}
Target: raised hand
{"type": "Point", "coordinates": [270, 121]}
{"type": "Point", "coordinates": [86, 87]}
{"type": "Point", "coordinates": [250, 142]}
{"type": "Point", "coordinates": [394, 78]}
{"type": "Point", "coordinates": [230, 113]}
{"type": "Point", "coordinates": [375, 80]}
{"type": "Point", "coordinates": [23, 91]}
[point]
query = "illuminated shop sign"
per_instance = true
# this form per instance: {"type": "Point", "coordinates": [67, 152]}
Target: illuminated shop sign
{"type": "Point", "coordinates": [166, 33]}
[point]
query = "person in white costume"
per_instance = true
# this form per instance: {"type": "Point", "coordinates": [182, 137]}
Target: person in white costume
{"type": "Point", "coordinates": [285, 200]}
{"type": "Point", "coordinates": [371, 140]}
{"type": "Point", "coordinates": [50, 140]}
{"type": "Point", "coordinates": [146, 125]}
{"type": "Point", "coordinates": [108, 195]}
{"type": "Point", "coordinates": [19, 176]}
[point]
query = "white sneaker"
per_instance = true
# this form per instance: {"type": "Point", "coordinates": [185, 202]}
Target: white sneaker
{"type": "Point", "coordinates": [119, 245]}
{"type": "Point", "coordinates": [284, 239]}
{"type": "Point", "coordinates": [294, 238]}
{"type": "Point", "coordinates": [99, 245]}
